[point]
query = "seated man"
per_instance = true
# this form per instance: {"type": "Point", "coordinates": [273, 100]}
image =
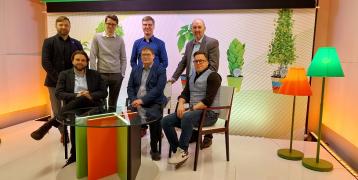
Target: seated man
{"type": "Point", "coordinates": [145, 92]}
{"type": "Point", "coordinates": [79, 87]}
{"type": "Point", "coordinates": [200, 92]}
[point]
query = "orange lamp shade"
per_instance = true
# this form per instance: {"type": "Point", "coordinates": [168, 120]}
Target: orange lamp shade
{"type": "Point", "coordinates": [295, 83]}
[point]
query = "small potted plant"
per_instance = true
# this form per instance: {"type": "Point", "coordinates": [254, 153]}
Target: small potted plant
{"type": "Point", "coordinates": [235, 57]}
{"type": "Point", "coordinates": [282, 49]}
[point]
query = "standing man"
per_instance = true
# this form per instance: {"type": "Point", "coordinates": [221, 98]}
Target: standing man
{"type": "Point", "coordinates": [149, 40]}
{"type": "Point", "coordinates": [78, 87]}
{"type": "Point", "coordinates": [201, 43]}
{"type": "Point", "coordinates": [108, 57]}
{"type": "Point", "coordinates": [56, 57]}
{"type": "Point", "coordinates": [145, 92]}
{"type": "Point", "coordinates": [200, 92]}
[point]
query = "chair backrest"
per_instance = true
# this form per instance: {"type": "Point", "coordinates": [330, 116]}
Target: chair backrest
{"type": "Point", "coordinates": [168, 94]}
{"type": "Point", "coordinates": [226, 97]}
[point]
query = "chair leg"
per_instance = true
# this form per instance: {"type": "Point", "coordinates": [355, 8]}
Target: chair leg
{"type": "Point", "coordinates": [170, 153]}
{"type": "Point", "coordinates": [198, 142]}
{"type": "Point", "coordinates": [160, 144]}
{"type": "Point", "coordinates": [65, 137]}
{"type": "Point", "coordinates": [227, 146]}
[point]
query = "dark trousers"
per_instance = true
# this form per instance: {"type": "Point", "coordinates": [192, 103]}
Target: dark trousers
{"type": "Point", "coordinates": [113, 82]}
{"type": "Point", "coordinates": [79, 102]}
{"type": "Point", "coordinates": [154, 111]}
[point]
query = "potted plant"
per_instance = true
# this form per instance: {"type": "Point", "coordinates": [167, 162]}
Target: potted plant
{"type": "Point", "coordinates": [282, 49]}
{"type": "Point", "coordinates": [235, 57]}
{"type": "Point", "coordinates": [185, 35]}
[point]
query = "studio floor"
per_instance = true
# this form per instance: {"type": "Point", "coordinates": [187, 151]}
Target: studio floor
{"type": "Point", "coordinates": [251, 158]}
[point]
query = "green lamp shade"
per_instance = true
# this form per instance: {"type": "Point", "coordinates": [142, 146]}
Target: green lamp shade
{"type": "Point", "coordinates": [325, 63]}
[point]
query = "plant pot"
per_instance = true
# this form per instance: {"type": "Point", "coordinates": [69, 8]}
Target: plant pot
{"type": "Point", "coordinates": [276, 84]}
{"type": "Point", "coordinates": [234, 82]}
{"type": "Point", "coordinates": [183, 80]}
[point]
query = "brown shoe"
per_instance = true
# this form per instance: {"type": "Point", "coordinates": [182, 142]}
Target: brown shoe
{"type": "Point", "coordinates": [143, 132]}
{"type": "Point", "coordinates": [206, 143]}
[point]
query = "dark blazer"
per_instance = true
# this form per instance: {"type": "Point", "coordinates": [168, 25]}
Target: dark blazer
{"type": "Point", "coordinates": [208, 45]}
{"type": "Point", "coordinates": [66, 84]}
{"type": "Point", "coordinates": [54, 60]}
{"type": "Point", "coordinates": [155, 85]}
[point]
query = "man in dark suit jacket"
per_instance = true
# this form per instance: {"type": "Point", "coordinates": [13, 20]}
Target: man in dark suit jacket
{"type": "Point", "coordinates": [145, 92]}
{"type": "Point", "coordinates": [78, 87]}
{"type": "Point", "coordinates": [200, 43]}
{"type": "Point", "coordinates": [56, 57]}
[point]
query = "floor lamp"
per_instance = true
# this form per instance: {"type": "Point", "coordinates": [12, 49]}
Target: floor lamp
{"type": "Point", "coordinates": [325, 63]}
{"type": "Point", "coordinates": [295, 84]}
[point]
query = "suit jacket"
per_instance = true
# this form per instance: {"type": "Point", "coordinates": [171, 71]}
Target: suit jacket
{"type": "Point", "coordinates": [208, 45]}
{"type": "Point", "coordinates": [155, 85]}
{"type": "Point", "coordinates": [66, 84]}
{"type": "Point", "coordinates": [54, 60]}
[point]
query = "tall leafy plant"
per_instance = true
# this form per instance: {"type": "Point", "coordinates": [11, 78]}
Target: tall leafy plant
{"type": "Point", "coordinates": [282, 48]}
{"type": "Point", "coordinates": [185, 35]}
{"type": "Point", "coordinates": [235, 57]}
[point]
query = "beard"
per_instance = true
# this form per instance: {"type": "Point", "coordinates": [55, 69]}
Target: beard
{"type": "Point", "coordinates": [79, 67]}
{"type": "Point", "coordinates": [63, 32]}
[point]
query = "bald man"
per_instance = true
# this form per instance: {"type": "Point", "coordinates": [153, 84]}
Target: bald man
{"type": "Point", "coordinates": [201, 43]}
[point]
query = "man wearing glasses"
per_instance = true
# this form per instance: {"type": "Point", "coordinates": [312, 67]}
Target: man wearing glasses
{"type": "Point", "coordinates": [203, 43]}
{"type": "Point", "coordinates": [200, 92]}
{"type": "Point", "coordinates": [145, 92]}
{"type": "Point", "coordinates": [108, 57]}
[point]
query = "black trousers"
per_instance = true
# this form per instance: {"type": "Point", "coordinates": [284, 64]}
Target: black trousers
{"type": "Point", "coordinates": [154, 111]}
{"type": "Point", "coordinates": [79, 102]}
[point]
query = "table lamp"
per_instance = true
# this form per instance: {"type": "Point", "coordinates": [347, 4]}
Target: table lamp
{"type": "Point", "coordinates": [325, 63]}
{"type": "Point", "coordinates": [295, 84]}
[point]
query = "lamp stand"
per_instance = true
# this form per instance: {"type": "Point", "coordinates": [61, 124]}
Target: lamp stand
{"type": "Point", "coordinates": [291, 154]}
{"type": "Point", "coordinates": [317, 164]}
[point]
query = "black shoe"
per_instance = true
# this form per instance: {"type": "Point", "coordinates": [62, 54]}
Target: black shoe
{"type": "Point", "coordinates": [194, 137]}
{"type": "Point", "coordinates": [70, 160]}
{"type": "Point", "coordinates": [206, 143]}
{"type": "Point", "coordinates": [41, 132]}
{"type": "Point", "coordinates": [155, 156]}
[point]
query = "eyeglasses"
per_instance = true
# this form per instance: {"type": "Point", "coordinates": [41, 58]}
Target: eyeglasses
{"type": "Point", "coordinates": [146, 54]}
{"type": "Point", "coordinates": [199, 61]}
{"type": "Point", "coordinates": [111, 24]}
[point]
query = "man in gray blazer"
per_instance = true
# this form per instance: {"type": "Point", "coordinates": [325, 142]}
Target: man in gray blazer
{"type": "Point", "coordinates": [200, 43]}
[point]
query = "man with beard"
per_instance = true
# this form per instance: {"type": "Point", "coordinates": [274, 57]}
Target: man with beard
{"type": "Point", "coordinates": [78, 87]}
{"type": "Point", "coordinates": [108, 56]}
{"type": "Point", "coordinates": [202, 43]}
{"type": "Point", "coordinates": [56, 57]}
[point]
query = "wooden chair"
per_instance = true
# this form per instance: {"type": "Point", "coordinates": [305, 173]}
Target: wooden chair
{"type": "Point", "coordinates": [225, 104]}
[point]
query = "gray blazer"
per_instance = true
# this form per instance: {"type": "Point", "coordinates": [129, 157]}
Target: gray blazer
{"type": "Point", "coordinates": [208, 45]}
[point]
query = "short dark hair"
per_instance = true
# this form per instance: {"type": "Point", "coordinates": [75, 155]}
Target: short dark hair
{"type": "Point", "coordinates": [111, 16]}
{"type": "Point", "coordinates": [148, 18]}
{"type": "Point", "coordinates": [201, 52]}
{"type": "Point", "coordinates": [147, 48]}
{"type": "Point", "coordinates": [79, 52]}
{"type": "Point", "coordinates": [62, 18]}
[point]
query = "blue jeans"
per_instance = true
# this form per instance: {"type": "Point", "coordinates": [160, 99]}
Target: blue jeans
{"type": "Point", "coordinates": [190, 119]}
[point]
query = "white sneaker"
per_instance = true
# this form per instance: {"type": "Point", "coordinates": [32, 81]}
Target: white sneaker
{"type": "Point", "coordinates": [179, 156]}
